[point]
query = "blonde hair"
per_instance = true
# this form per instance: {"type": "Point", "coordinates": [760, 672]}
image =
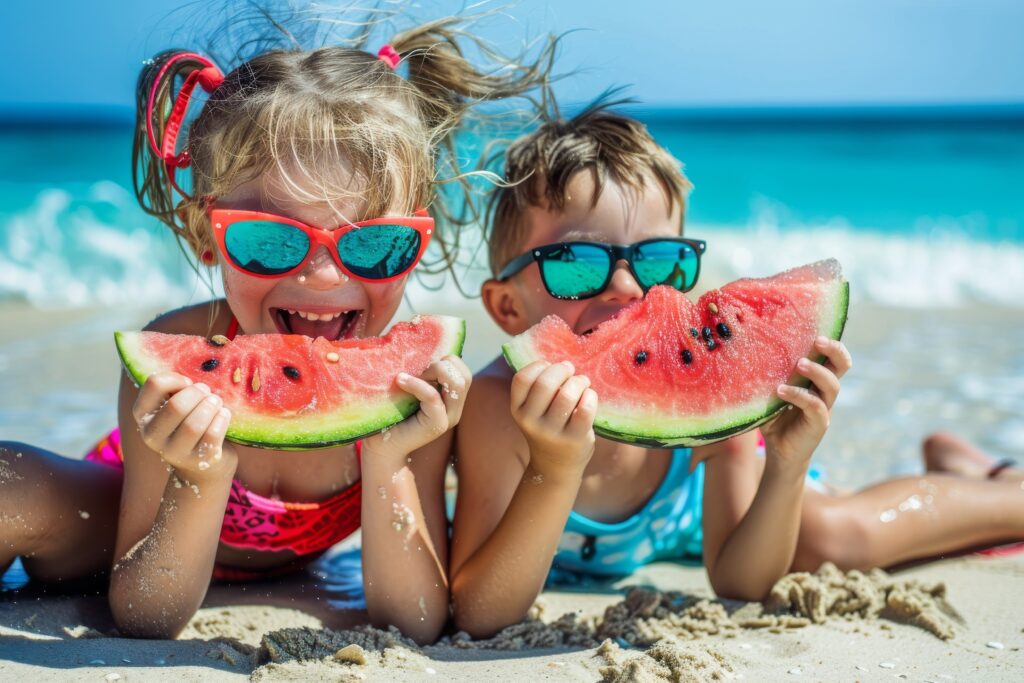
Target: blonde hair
{"type": "Point", "coordinates": [307, 114]}
{"type": "Point", "coordinates": [540, 165]}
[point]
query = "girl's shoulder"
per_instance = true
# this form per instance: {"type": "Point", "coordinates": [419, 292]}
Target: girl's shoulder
{"type": "Point", "coordinates": [204, 319]}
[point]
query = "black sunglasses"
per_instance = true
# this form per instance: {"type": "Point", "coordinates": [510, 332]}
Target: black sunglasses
{"type": "Point", "coordinates": [580, 270]}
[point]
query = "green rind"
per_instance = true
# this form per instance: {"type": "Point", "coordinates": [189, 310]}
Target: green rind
{"type": "Point", "coordinates": [656, 437]}
{"type": "Point", "coordinates": [320, 431]}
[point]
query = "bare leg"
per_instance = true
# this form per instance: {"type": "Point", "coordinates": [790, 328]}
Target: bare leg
{"type": "Point", "coordinates": [58, 515]}
{"type": "Point", "coordinates": [944, 452]}
{"type": "Point", "coordinates": [907, 519]}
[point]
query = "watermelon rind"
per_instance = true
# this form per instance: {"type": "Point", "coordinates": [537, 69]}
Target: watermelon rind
{"type": "Point", "coordinates": [358, 420]}
{"type": "Point", "coordinates": [698, 431]}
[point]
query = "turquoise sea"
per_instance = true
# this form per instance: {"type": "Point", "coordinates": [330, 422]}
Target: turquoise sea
{"type": "Point", "coordinates": [924, 209]}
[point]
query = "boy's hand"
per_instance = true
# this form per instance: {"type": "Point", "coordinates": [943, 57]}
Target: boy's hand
{"type": "Point", "coordinates": [793, 435]}
{"type": "Point", "coordinates": [185, 423]}
{"type": "Point", "coordinates": [439, 410]}
{"type": "Point", "coordinates": [555, 410]}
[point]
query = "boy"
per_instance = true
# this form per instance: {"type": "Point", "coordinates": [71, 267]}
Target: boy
{"type": "Point", "coordinates": [537, 487]}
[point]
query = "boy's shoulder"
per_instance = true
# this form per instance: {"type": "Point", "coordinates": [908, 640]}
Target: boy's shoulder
{"type": "Point", "coordinates": [203, 319]}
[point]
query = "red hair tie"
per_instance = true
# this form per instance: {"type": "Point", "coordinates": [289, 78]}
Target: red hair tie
{"type": "Point", "coordinates": [389, 56]}
{"type": "Point", "coordinates": [209, 79]}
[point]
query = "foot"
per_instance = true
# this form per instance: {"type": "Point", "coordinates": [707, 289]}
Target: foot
{"type": "Point", "coordinates": [950, 454]}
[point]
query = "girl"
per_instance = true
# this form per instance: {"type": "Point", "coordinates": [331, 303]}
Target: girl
{"type": "Point", "coordinates": [317, 142]}
{"type": "Point", "coordinates": [538, 490]}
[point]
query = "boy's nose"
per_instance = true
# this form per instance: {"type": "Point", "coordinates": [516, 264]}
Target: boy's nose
{"type": "Point", "coordinates": [322, 272]}
{"type": "Point", "coordinates": [623, 287]}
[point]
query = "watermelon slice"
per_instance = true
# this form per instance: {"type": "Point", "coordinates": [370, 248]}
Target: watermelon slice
{"type": "Point", "coordinates": [292, 392]}
{"type": "Point", "coordinates": [670, 372]}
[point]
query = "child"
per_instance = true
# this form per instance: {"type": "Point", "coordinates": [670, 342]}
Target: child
{"type": "Point", "coordinates": [315, 142]}
{"type": "Point", "coordinates": [536, 488]}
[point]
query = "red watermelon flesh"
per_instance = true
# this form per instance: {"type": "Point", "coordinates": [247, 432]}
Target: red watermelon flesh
{"type": "Point", "coordinates": [289, 391]}
{"type": "Point", "coordinates": [670, 372]}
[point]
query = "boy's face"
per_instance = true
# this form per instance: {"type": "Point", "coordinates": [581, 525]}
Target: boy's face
{"type": "Point", "coordinates": [621, 216]}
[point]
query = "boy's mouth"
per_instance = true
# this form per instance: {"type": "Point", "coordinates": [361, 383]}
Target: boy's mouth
{"type": "Point", "coordinates": [329, 324]}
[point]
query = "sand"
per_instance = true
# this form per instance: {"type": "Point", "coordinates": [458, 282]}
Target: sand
{"type": "Point", "coordinates": [957, 619]}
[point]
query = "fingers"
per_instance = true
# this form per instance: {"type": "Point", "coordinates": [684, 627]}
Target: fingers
{"type": "Point", "coordinates": [823, 379]}
{"type": "Point", "coordinates": [542, 393]}
{"type": "Point", "coordinates": [523, 382]}
{"type": "Point", "coordinates": [432, 414]}
{"type": "Point", "coordinates": [565, 401]}
{"type": "Point", "coordinates": [582, 419]}
{"type": "Point", "coordinates": [155, 392]}
{"type": "Point", "coordinates": [186, 437]}
{"type": "Point", "coordinates": [837, 356]}
{"type": "Point", "coordinates": [158, 425]}
{"type": "Point", "coordinates": [812, 406]}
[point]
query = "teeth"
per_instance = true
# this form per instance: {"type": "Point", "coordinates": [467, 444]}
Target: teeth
{"type": "Point", "coordinates": [316, 316]}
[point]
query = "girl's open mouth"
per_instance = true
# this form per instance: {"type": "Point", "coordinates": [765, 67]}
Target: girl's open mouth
{"type": "Point", "coordinates": [330, 325]}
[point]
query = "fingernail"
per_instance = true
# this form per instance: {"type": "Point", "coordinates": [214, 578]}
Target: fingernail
{"type": "Point", "coordinates": [403, 377]}
{"type": "Point", "coordinates": [215, 399]}
{"type": "Point", "coordinates": [569, 365]}
{"type": "Point", "coordinates": [224, 412]}
{"type": "Point", "coordinates": [783, 389]}
{"type": "Point", "coordinates": [822, 341]}
{"type": "Point", "coordinates": [803, 364]}
{"type": "Point", "coordinates": [202, 387]}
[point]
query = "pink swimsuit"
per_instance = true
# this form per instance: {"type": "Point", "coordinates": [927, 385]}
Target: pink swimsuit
{"type": "Point", "coordinates": [253, 521]}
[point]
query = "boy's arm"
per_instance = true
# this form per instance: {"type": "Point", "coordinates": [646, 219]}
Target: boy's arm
{"type": "Point", "coordinates": [515, 495]}
{"type": "Point", "coordinates": [747, 552]}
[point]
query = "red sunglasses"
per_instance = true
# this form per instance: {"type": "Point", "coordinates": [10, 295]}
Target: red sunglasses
{"type": "Point", "coordinates": [271, 246]}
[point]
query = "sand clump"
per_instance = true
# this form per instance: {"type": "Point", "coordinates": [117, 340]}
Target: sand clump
{"type": "Point", "coordinates": [665, 661]}
{"type": "Point", "coordinates": [855, 595]}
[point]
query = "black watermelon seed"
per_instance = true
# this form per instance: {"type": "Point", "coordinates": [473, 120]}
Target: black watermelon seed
{"type": "Point", "coordinates": [693, 332]}
{"type": "Point", "coordinates": [687, 356]}
{"type": "Point", "coordinates": [710, 343]}
{"type": "Point", "coordinates": [290, 372]}
{"type": "Point", "coordinates": [209, 365]}
{"type": "Point", "coordinates": [641, 357]}
{"type": "Point", "coordinates": [706, 333]}
{"type": "Point", "coordinates": [723, 330]}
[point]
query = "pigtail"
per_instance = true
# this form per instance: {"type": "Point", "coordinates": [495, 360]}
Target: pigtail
{"type": "Point", "coordinates": [162, 95]}
{"type": "Point", "coordinates": [433, 56]}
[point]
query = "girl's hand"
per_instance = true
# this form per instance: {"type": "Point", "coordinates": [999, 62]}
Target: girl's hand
{"type": "Point", "coordinates": [555, 409]}
{"type": "Point", "coordinates": [793, 435]}
{"type": "Point", "coordinates": [439, 410]}
{"type": "Point", "coordinates": [185, 423]}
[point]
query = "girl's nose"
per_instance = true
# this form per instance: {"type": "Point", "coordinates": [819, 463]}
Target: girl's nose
{"type": "Point", "coordinates": [322, 272]}
{"type": "Point", "coordinates": [623, 287]}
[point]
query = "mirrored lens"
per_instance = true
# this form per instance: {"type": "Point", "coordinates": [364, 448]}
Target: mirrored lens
{"type": "Point", "coordinates": [665, 262]}
{"type": "Point", "coordinates": [575, 270]}
{"type": "Point", "coordinates": [265, 247]}
{"type": "Point", "coordinates": [377, 252]}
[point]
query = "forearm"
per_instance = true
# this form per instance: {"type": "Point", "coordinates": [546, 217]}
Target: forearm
{"type": "Point", "coordinates": [497, 585]}
{"type": "Point", "coordinates": [157, 585]}
{"type": "Point", "coordinates": [405, 579]}
{"type": "Point", "coordinates": [768, 532]}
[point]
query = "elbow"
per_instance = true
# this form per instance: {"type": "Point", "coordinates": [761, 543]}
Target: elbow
{"type": "Point", "coordinates": [422, 624]}
{"type": "Point", "coordinates": [143, 619]}
{"type": "Point", "coordinates": [477, 620]}
{"type": "Point", "coordinates": [738, 588]}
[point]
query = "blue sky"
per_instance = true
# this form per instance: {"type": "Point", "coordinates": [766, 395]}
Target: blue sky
{"type": "Point", "coordinates": [684, 52]}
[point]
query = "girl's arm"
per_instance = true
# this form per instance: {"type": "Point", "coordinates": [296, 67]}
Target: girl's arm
{"type": "Point", "coordinates": [747, 552]}
{"type": "Point", "coordinates": [510, 515]}
{"type": "Point", "coordinates": [404, 528]}
{"type": "Point", "coordinates": [177, 477]}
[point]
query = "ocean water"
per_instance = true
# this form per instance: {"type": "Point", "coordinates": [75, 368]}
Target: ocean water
{"type": "Point", "coordinates": [921, 213]}
{"type": "Point", "coordinates": [926, 217]}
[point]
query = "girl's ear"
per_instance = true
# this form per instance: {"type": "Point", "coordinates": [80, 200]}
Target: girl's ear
{"type": "Point", "coordinates": [503, 305]}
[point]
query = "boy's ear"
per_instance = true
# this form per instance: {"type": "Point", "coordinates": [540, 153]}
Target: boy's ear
{"type": "Point", "coordinates": [503, 305]}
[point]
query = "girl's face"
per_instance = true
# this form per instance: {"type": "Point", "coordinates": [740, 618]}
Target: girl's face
{"type": "Point", "coordinates": [320, 300]}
